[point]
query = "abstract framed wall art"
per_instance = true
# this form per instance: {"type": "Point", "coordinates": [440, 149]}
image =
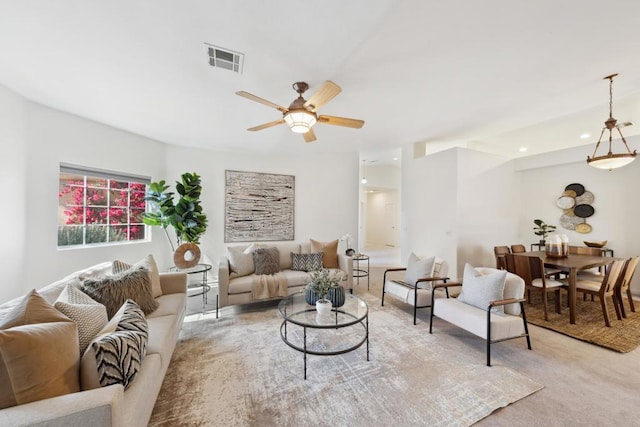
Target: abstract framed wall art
{"type": "Point", "coordinates": [258, 207]}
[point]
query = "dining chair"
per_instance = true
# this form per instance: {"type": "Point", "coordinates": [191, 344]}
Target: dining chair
{"type": "Point", "coordinates": [625, 286]}
{"type": "Point", "coordinates": [500, 252]}
{"type": "Point", "coordinates": [604, 289]}
{"type": "Point", "coordinates": [532, 271]}
{"type": "Point", "coordinates": [518, 249]}
{"type": "Point", "coordinates": [595, 274]}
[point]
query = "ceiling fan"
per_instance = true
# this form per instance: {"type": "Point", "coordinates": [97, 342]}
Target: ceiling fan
{"type": "Point", "coordinates": [301, 114]}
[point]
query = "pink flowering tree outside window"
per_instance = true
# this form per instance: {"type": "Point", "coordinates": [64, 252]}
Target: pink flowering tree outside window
{"type": "Point", "coordinates": [98, 210]}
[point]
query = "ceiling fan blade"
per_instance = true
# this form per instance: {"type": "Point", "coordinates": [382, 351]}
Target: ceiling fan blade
{"type": "Point", "coordinates": [261, 101]}
{"type": "Point", "coordinates": [267, 125]}
{"type": "Point", "coordinates": [623, 124]}
{"type": "Point", "coordinates": [326, 93]}
{"type": "Point", "coordinates": [341, 121]}
{"type": "Point", "coordinates": [309, 136]}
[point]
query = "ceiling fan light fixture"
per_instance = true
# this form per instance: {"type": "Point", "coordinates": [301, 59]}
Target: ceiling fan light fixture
{"type": "Point", "coordinates": [610, 160]}
{"type": "Point", "coordinates": [300, 121]}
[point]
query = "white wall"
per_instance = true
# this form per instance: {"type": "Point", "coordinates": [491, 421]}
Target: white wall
{"type": "Point", "coordinates": [326, 205]}
{"type": "Point", "coordinates": [13, 174]}
{"type": "Point", "coordinates": [35, 139]}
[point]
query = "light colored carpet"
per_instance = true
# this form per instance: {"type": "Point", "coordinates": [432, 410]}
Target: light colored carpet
{"type": "Point", "coordinates": [237, 371]}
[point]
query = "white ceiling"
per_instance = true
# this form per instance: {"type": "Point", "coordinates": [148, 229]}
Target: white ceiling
{"type": "Point", "coordinates": [494, 74]}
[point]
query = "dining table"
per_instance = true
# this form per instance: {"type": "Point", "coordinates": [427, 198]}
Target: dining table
{"type": "Point", "coordinates": [570, 264]}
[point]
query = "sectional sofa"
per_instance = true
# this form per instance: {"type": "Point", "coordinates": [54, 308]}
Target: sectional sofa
{"type": "Point", "coordinates": [111, 405]}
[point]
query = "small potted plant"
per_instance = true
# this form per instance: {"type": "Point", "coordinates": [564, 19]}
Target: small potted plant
{"type": "Point", "coordinates": [324, 290]}
{"type": "Point", "coordinates": [542, 229]}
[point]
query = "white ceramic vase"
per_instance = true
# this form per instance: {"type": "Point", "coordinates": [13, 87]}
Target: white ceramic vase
{"type": "Point", "coordinates": [323, 306]}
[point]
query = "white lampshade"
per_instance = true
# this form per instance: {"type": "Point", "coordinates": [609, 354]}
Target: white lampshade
{"type": "Point", "coordinates": [300, 121]}
{"type": "Point", "coordinates": [612, 161]}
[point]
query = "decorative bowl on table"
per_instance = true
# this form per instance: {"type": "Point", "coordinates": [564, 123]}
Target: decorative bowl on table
{"type": "Point", "coordinates": [600, 244]}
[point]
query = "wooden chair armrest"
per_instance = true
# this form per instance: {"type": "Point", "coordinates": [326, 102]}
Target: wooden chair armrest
{"type": "Point", "coordinates": [506, 301]}
{"type": "Point", "coordinates": [431, 279]}
{"type": "Point", "coordinates": [446, 285]}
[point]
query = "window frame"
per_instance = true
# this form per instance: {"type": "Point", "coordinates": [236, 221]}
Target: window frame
{"type": "Point", "coordinates": [88, 174]}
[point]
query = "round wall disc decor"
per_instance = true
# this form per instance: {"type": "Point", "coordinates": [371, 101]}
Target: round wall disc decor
{"type": "Point", "coordinates": [578, 188]}
{"type": "Point", "coordinates": [570, 222]}
{"type": "Point", "coordinates": [583, 228]}
{"type": "Point", "coordinates": [566, 202]}
{"type": "Point", "coordinates": [187, 255]}
{"type": "Point", "coordinates": [575, 203]}
{"type": "Point", "coordinates": [586, 198]}
{"type": "Point", "coordinates": [583, 211]}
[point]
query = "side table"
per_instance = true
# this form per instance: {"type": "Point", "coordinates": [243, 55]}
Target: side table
{"type": "Point", "coordinates": [204, 286]}
{"type": "Point", "coordinates": [359, 271]}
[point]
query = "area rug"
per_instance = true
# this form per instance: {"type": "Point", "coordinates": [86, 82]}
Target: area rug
{"type": "Point", "coordinates": [236, 371]}
{"type": "Point", "coordinates": [623, 335]}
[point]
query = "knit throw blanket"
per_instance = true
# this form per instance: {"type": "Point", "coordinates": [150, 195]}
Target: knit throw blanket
{"type": "Point", "coordinates": [265, 286]}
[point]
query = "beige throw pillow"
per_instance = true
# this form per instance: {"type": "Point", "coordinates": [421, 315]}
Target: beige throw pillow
{"type": "Point", "coordinates": [329, 250]}
{"type": "Point", "coordinates": [39, 356]}
{"type": "Point", "coordinates": [150, 264]}
{"type": "Point", "coordinates": [89, 315]}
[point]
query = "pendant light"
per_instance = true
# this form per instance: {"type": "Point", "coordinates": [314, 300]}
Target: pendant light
{"type": "Point", "coordinates": [611, 161]}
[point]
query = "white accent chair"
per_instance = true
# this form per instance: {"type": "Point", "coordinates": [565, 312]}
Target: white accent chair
{"type": "Point", "coordinates": [493, 327]}
{"type": "Point", "coordinates": [418, 295]}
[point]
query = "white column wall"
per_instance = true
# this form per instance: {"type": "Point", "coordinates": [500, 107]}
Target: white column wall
{"type": "Point", "coordinates": [488, 205]}
{"type": "Point", "coordinates": [429, 197]}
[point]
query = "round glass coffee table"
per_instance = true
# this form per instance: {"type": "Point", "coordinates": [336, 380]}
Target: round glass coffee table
{"type": "Point", "coordinates": [345, 329]}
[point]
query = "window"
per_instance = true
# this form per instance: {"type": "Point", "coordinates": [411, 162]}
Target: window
{"type": "Point", "coordinates": [100, 207]}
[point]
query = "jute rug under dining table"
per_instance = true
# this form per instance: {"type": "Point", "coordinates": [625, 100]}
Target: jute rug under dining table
{"type": "Point", "coordinates": [236, 371]}
{"type": "Point", "coordinates": [623, 335]}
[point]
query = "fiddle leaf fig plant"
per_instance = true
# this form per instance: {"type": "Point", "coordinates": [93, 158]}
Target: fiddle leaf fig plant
{"type": "Point", "coordinates": [185, 216]}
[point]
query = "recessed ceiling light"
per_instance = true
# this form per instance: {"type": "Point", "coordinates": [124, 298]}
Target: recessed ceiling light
{"type": "Point", "coordinates": [585, 135]}
{"type": "Point", "coordinates": [522, 149]}
{"type": "Point", "coordinates": [395, 158]}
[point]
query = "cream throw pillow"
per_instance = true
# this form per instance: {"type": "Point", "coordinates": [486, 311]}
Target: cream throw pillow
{"type": "Point", "coordinates": [150, 264]}
{"type": "Point", "coordinates": [418, 268]}
{"type": "Point", "coordinates": [39, 356]}
{"type": "Point", "coordinates": [479, 290]}
{"type": "Point", "coordinates": [329, 250]}
{"type": "Point", "coordinates": [89, 315]}
{"type": "Point", "coordinates": [240, 263]}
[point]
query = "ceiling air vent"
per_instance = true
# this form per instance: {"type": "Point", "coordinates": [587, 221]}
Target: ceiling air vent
{"type": "Point", "coordinates": [224, 58]}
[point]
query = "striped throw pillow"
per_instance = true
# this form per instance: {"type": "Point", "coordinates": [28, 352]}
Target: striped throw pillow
{"type": "Point", "coordinates": [306, 262]}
